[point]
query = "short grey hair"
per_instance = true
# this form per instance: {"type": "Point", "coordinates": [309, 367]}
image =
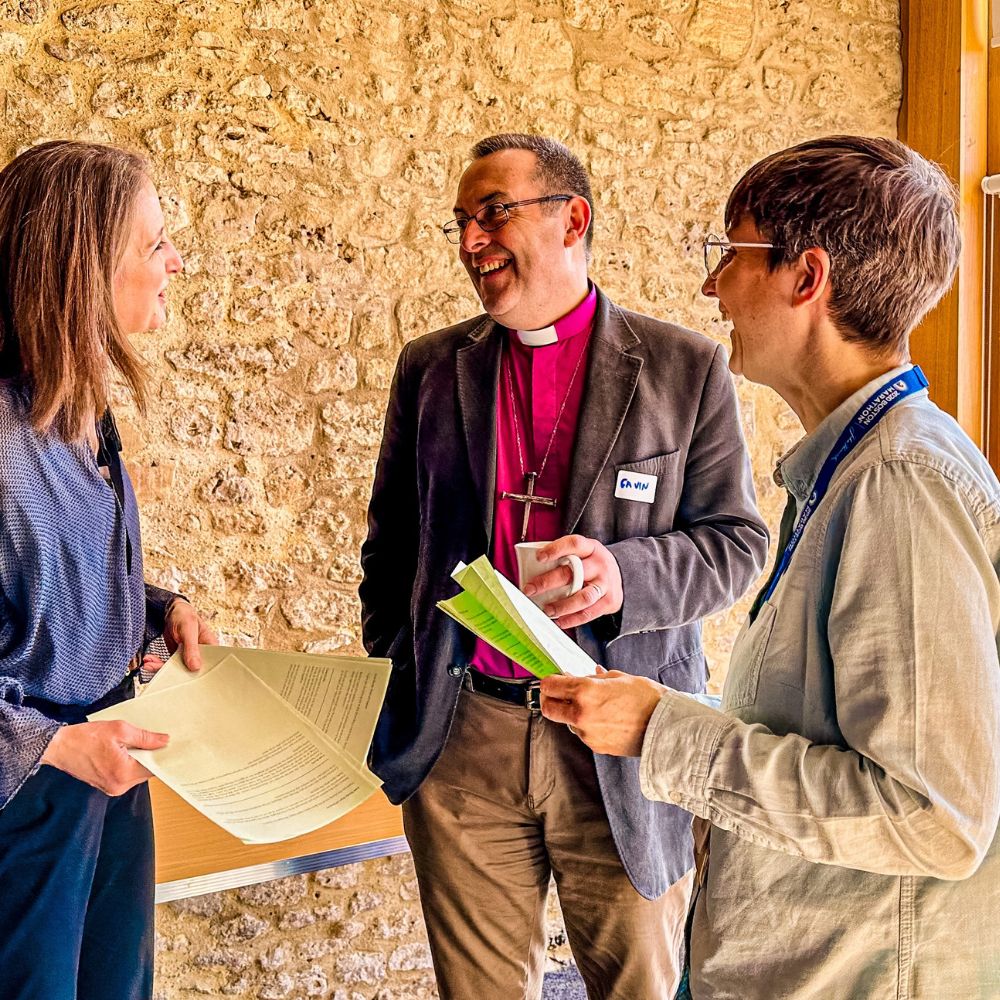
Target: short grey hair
{"type": "Point", "coordinates": [558, 166]}
{"type": "Point", "coordinates": [887, 217]}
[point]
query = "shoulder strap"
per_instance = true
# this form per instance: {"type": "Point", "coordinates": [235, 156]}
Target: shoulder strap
{"type": "Point", "coordinates": [108, 455]}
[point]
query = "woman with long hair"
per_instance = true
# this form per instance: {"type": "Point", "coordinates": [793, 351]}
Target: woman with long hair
{"type": "Point", "coordinates": [84, 263]}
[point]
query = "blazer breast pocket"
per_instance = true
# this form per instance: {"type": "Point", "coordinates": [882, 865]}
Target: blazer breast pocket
{"type": "Point", "coordinates": [646, 494]}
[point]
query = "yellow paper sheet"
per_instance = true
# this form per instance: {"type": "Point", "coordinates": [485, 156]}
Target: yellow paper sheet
{"type": "Point", "coordinates": [342, 695]}
{"type": "Point", "coordinates": [249, 759]}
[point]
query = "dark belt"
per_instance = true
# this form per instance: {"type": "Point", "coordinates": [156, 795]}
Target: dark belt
{"type": "Point", "coordinates": [72, 714]}
{"type": "Point", "coordinates": [525, 693]}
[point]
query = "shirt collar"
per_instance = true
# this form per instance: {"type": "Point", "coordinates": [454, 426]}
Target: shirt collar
{"type": "Point", "coordinates": [798, 468]}
{"type": "Point", "coordinates": [575, 321]}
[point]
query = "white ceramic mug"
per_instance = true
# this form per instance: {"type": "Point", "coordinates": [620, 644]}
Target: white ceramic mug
{"type": "Point", "coordinates": [529, 566]}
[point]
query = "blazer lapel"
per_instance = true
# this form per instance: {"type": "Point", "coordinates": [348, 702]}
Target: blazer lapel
{"type": "Point", "coordinates": [612, 375]}
{"type": "Point", "coordinates": [478, 372]}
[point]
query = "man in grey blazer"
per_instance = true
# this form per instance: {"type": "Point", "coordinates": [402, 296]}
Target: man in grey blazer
{"type": "Point", "coordinates": [627, 429]}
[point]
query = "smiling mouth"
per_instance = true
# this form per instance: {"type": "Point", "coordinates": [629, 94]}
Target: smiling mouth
{"type": "Point", "coordinates": [492, 266]}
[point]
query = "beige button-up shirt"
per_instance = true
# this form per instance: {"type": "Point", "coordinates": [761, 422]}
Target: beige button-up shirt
{"type": "Point", "coordinates": [853, 777]}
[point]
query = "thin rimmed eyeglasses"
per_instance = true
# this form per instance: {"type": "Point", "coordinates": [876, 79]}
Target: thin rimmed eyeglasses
{"type": "Point", "coordinates": [494, 216]}
{"type": "Point", "coordinates": [719, 252]}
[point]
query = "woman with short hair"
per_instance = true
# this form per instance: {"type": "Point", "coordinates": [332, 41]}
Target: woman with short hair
{"type": "Point", "coordinates": [84, 264]}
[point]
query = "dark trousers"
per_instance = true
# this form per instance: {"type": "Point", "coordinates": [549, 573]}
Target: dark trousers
{"type": "Point", "coordinates": [76, 892]}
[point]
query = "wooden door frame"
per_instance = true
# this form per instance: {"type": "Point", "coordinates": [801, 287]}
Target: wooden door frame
{"type": "Point", "coordinates": [992, 375]}
{"type": "Point", "coordinates": [947, 64]}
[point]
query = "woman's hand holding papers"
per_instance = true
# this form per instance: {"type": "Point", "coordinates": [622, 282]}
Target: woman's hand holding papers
{"type": "Point", "coordinates": [609, 712]}
{"type": "Point", "coordinates": [602, 592]}
{"type": "Point", "coordinates": [97, 754]}
{"type": "Point", "coordinates": [183, 628]}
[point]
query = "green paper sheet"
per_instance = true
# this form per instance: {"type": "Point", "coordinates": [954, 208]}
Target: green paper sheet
{"type": "Point", "coordinates": [492, 608]}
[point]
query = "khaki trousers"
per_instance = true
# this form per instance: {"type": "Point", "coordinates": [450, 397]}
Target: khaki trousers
{"type": "Point", "coordinates": [512, 799]}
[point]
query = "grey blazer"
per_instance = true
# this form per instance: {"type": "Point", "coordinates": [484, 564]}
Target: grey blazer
{"type": "Point", "coordinates": [658, 400]}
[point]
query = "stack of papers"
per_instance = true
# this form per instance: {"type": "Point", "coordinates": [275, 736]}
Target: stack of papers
{"type": "Point", "coordinates": [267, 745]}
{"type": "Point", "coordinates": [496, 611]}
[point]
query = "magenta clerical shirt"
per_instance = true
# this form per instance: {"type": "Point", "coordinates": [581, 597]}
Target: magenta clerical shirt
{"type": "Point", "coordinates": [540, 378]}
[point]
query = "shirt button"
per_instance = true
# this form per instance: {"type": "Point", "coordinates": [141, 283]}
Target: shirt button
{"type": "Point", "coordinates": [455, 670]}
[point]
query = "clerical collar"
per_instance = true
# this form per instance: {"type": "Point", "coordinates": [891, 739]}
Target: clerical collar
{"type": "Point", "coordinates": [575, 321]}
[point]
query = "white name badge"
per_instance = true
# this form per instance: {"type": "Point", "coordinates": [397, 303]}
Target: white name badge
{"type": "Point", "coordinates": [635, 486]}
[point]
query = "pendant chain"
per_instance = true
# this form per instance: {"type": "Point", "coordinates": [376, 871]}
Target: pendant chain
{"type": "Point", "coordinates": [555, 426]}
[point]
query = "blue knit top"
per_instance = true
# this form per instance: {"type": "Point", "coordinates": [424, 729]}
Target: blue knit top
{"type": "Point", "coordinates": [72, 613]}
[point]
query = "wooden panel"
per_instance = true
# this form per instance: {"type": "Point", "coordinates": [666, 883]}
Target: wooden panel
{"type": "Point", "coordinates": [944, 117]}
{"type": "Point", "coordinates": [993, 334]}
{"type": "Point", "coordinates": [188, 845]}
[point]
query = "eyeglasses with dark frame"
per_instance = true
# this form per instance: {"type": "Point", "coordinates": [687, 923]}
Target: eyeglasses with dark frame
{"type": "Point", "coordinates": [494, 216]}
{"type": "Point", "coordinates": [719, 252]}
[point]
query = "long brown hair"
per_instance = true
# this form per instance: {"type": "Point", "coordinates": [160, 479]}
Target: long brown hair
{"type": "Point", "coordinates": [66, 212]}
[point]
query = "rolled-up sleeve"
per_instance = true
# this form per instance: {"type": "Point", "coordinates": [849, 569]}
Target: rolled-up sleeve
{"type": "Point", "coordinates": [911, 626]}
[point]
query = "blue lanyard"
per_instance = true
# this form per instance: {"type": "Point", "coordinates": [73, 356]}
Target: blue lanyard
{"type": "Point", "coordinates": [873, 410]}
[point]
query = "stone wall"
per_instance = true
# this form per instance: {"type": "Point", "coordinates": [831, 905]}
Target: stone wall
{"type": "Point", "coordinates": [306, 151]}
